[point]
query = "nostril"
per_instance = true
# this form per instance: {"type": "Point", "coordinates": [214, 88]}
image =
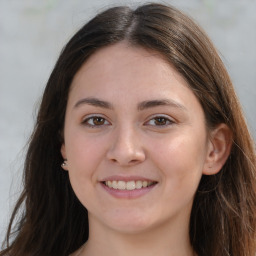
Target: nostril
{"type": "Point", "coordinates": [134, 161]}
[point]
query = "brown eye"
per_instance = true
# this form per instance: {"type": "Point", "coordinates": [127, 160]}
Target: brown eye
{"type": "Point", "coordinates": [160, 121]}
{"type": "Point", "coordinates": [95, 121]}
{"type": "Point", "coordinates": [98, 121]}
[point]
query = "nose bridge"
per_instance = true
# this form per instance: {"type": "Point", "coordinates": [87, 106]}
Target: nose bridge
{"type": "Point", "coordinates": [126, 147]}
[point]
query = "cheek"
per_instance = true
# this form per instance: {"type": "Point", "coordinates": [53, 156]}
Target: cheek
{"type": "Point", "coordinates": [181, 160]}
{"type": "Point", "coordinates": [82, 159]}
{"type": "Point", "coordinates": [83, 151]}
{"type": "Point", "coordinates": [84, 155]}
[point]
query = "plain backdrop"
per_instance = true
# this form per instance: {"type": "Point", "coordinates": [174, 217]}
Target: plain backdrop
{"type": "Point", "coordinates": [32, 34]}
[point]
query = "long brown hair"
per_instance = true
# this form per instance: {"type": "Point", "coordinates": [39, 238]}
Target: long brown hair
{"type": "Point", "coordinates": [51, 219]}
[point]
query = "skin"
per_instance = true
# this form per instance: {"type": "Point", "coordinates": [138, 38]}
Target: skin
{"type": "Point", "coordinates": [166, 142]}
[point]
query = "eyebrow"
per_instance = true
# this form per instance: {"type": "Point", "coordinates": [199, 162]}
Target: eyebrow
{"type": "Point", "coordinates": [141, 106]}
{"type": "Point", "coordinates": [162, 102]}
{"type": "Point", "coordinates": [94, 102]}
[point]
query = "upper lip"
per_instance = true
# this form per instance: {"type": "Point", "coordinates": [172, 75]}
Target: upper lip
{"type": "Point", "coordinates": [127, 178]}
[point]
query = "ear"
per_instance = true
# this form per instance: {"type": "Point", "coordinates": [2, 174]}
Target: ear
{"type": "Point", "coordinates": [64, 155]}
{"type": "Point", "coordinates": [219, 146]}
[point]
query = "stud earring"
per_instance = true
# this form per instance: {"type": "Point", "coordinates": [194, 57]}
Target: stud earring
{"type": "Point", "coordinates": [64, 164]}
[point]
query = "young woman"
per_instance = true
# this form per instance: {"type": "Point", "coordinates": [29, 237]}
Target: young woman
{"type": "Point", "coordinates": [140, 147]}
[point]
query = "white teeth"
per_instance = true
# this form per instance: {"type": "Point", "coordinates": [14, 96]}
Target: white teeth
{"type": "Point", "coordinates": [129, 185]}
{"type": "Point", "coordinates": [114, 184]}
{"type": "Point", "coordinates": [121, 185]}
{"type": "Point", "coordinates": [144, 184]}
{"type": "Point", "coordinates": [138, 184]}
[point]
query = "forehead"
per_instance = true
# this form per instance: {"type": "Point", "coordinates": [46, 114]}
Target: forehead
{"type": "Point", "coordinates": [122, 71]}
{"type": "Point", "coordinates": [124, 62]}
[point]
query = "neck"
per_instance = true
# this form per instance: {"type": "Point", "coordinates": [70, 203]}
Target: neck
{"type": "Point", "coordinates": [162, 240]}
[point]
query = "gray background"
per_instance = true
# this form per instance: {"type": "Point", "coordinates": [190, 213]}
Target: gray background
{"type": "Point", "coordinates": [32, 33]}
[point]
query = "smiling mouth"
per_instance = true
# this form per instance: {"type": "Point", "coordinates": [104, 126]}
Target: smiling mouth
{"type": "Point", "coordinates": [129, 185]}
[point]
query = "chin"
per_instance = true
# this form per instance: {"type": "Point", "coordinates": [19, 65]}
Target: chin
{"type": "Point", "coordinates": [130, 223]}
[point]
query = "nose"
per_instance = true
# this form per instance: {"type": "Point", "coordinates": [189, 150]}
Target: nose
{"type": "Point", "coordinates": [126, 149]}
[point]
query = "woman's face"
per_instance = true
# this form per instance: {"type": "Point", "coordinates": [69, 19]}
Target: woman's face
{"type": "Point", "coordinates": [135, 140]}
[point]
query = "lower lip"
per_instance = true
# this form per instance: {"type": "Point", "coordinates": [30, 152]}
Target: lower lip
{"type": "Point", "coordinates": [129, 194]}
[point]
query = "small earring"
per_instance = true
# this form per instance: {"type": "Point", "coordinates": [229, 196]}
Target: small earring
{"type": "Point", "coordinates": [64, 164]}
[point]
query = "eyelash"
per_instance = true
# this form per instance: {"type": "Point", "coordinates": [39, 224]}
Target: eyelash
{"type": "Point", "coordinates": [166, 121]}
{"type": "Point", "coordinates": [91, 121]}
